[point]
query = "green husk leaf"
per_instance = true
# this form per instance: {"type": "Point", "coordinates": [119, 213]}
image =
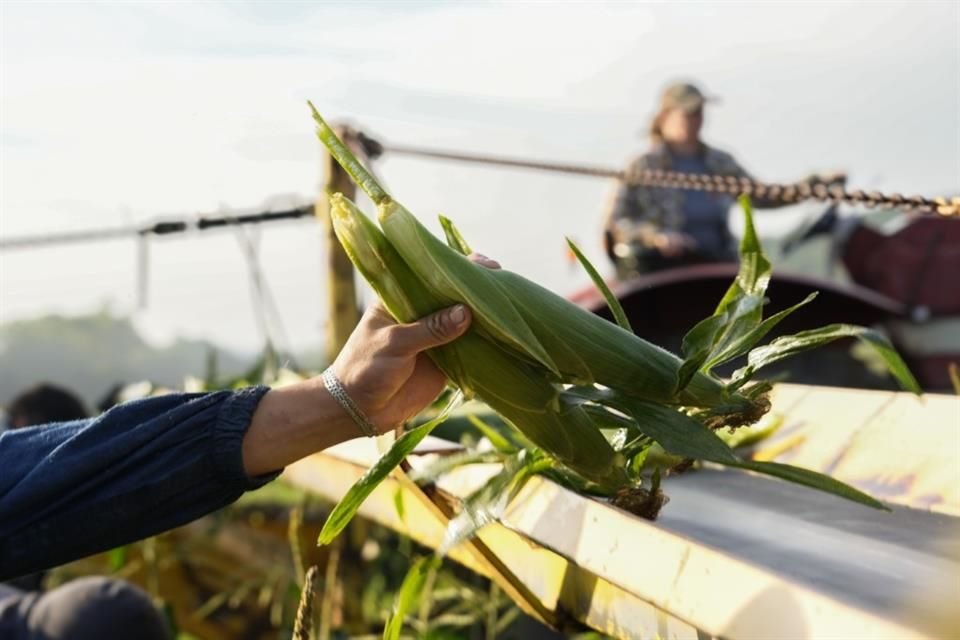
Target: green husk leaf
{"type": "Point", "coordinates": [697, 346]}
{"type": "Point", "coordinates": [787, 346]}
{"type": "Point", "coordinates": [812, 479]}
{"type": "Point", "coordinates": [488, 503]}
{"type": "Point", "coordinates": [449, 274]}
{"type": "Point", "coordinates": [676, 432]}
{"type": "Point", "coordinates": [398, 504]}
{"type": "Point", "coordinates": [615, 307]}
{"type": "Point", "coordinates": [754, 273]}
{"type": "Point", "coordinates": [409, 594]}
{"type": "Point", "coordinates": [446, 464]}
{"type": "Point", "coordinates": [499, 441]}
{"type": "Point", "coordinates": [454, 238]}
{"type": "Point", "coordinates": [712, 340]}
{"type": "Point", "coordinates": [347, 160]}
{"type": "Point", "coordinates": [404, 445]}
{"type": "Point", "coordinates": [738, 345]}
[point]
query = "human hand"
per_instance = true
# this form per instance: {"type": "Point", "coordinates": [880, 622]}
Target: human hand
{"type": "Point", "coordinates": [671, 244]}
{"type": "Point", "coordinates": [383, 367]}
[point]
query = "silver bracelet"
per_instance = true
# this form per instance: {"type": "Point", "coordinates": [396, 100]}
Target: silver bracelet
{"type": "Point", "coordinates": [339, 393]}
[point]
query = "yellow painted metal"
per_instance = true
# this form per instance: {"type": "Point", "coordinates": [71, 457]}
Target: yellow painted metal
{"type": "Point", "coordinates": [899, 448]}
{"type": "Point", "coordinates": [632, 578]}
{"type": "Point", "coordinates": [560, 585]}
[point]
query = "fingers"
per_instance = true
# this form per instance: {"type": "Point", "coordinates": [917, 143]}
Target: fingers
{"type": "Point", "coordinates": [431, 331]}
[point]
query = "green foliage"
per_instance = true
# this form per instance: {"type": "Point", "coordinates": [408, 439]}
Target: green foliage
{"type": "Point", "coordinates": [615, 307]}
{"type": "Point", "coordinates": [787, 346]}
{"type": "Point", "coordinates": [89, 354]}
{"type": "Point", "coordinates": [409, 595]}
{"type": "Point", "coordinates": [454, 238]}
{"type": "Point", "coordinates": [401, 448]}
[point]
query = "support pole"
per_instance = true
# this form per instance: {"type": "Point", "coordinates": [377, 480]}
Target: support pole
{"type": "Point", "coordinates": [343, 312]}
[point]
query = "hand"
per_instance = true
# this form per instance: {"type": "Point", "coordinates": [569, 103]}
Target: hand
{"type": "Point", "coordinates": [383, 369]}
{"type": "Point", "coordinates": [672, 244]}
{"type": "Point", "coordinates": [383, 366]}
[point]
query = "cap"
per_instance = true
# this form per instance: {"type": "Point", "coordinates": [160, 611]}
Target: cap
{"type": "Point", "coordinates": [684, 96]}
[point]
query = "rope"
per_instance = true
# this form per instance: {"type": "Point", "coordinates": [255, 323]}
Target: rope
{"type": "Point", "coordinates": [731, 185]}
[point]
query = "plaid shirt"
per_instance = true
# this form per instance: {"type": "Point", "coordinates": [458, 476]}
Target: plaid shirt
{"type": "Point", "coordinates": [638, 208]}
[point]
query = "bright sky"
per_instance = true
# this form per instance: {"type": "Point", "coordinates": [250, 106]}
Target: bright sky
{"type": "Point", "coordinates": [113, 114]}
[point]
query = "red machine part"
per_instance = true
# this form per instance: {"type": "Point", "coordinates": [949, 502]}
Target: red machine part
{"type": "Point", "coordinates": [919, 265]}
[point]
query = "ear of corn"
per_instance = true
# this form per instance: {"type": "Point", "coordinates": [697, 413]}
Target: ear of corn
{"type": "Point", "coordinates": [451, 275]}
{"type": "Point", "coordinates": [521, 392]}
{"type": "Point", "coordinates": [526, 344]}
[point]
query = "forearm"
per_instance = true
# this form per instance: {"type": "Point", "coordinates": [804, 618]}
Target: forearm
{"type": "Point", "coordinates": [292, 422]}
{"type": "Point", "coordinates": [72, 489]}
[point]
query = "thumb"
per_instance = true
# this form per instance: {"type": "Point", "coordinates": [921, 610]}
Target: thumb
{"type": "Point", "coordinates": [433, 330]}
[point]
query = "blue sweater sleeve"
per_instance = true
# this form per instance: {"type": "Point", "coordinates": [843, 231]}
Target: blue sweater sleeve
{"type": "Point", "coordinates": [71, 489]}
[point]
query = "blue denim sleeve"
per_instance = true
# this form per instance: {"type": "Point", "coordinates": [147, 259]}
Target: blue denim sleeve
{"type": "Point", "coordinates": [71, 489]}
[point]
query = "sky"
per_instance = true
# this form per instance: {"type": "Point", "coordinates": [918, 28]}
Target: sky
{"type": "Point", "coordinates": [118, 113]}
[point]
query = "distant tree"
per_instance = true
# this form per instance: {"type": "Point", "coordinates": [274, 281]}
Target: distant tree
{"type": "Point", "coordinates": [92, 353]}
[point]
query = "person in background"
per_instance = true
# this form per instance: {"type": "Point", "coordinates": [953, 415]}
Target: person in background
{"type": "Point", "coordinates": [41, 404]}
{"type": "Point", "coordinates": [649, 229]}
{"type": "Point", "coordinates": [44, 403]}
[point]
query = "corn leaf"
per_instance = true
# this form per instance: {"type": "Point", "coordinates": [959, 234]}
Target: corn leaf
{"type": "Point", "coordinates": [405, 444]}
{"type": "Point", "coordinates": [347, 160]}
{"type": "Point", "coordinates": [500, 442]}
{"type": "Point", "coordinates": [398, 504]}
{"type": "Point", "coordinates": [806, 477]}
{"type": "Point", "coordinates": [409, 594]}
{"type": "Point", "coordinates": [737, 345]}
{"type": "Point", "coordinates": [754, 273]}
{"type": "Point", "coordinates": [454, 237]}
{"type": "Point", "coordinates": [697, 345]}
{"type": "Point", "coordinates": [676, 432]}
{"type": "Point", "coordinates": [445, 464]}
{"type": "Point", "coordinates": [724, 335]}
{"type": "Point", "coordinates": [488, 503]}
{"type": "Point", "coordinates": [787, 346]}
{"type": "Point", "coordinates": [615, 307]}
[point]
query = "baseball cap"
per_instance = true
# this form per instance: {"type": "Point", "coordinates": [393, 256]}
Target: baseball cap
{"type": "Point", "coordinates": [685, 96]}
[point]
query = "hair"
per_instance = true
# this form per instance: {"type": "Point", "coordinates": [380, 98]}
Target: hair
{"type": "Point", "coordinates": [656, 125]}
{"type": "Point", "coordinates": [44, 403]}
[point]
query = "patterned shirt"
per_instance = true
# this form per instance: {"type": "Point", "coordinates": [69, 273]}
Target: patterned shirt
{"type": "Point", "coordinates": [637, 212]}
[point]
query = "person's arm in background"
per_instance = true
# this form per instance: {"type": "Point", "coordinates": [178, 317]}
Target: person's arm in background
{"type": "Point", "coordinates": [727, 165]}
{"type": "Point", "coordinates": [633, 221]}
{"type": "Point", "coordinates": [72, 489]}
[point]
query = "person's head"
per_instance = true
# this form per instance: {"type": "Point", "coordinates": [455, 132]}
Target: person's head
{"type": "Point", "coordinates": [680, 116]}
{"type": "Point", "coordinates": [44, 403]}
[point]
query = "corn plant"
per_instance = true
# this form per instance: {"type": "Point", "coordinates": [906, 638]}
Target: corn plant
{"type": "Point", "coordinates": [587, 399]}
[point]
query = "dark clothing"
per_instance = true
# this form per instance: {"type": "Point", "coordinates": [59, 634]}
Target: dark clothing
{"type": "Point", "coordinates": [638, 213]}
{"type": "Point", "coordinates": [71, 489]}
{"type": "Point", "coordinates": [706, 214]}
{"type": "Point", "coordinates": [93, 608]}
